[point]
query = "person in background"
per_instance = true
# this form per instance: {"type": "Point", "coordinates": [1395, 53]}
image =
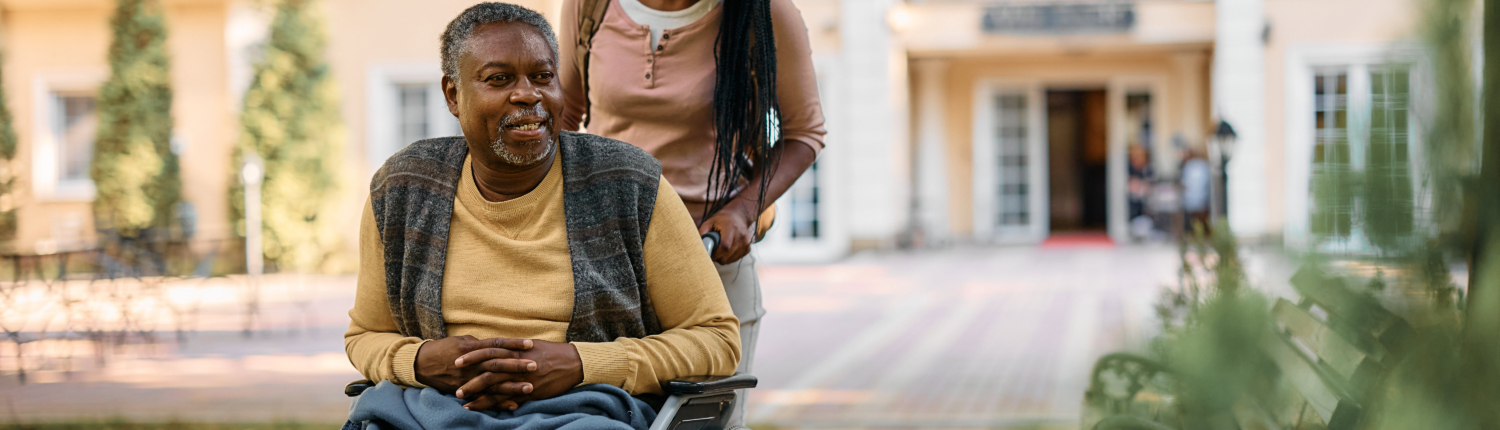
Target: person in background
{"type": "Point", "coordinates": [1195, 189]}
{"type": "Point", "coordinates": [723, 93]}
{"type": "Point", "coordinates": [1140, 189]}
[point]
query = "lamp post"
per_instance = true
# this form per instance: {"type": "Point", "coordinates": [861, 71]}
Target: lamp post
{"type": "Point", "coordinates": [1224, 141]}
{"type": "Point", "coordinates": [252, 173]}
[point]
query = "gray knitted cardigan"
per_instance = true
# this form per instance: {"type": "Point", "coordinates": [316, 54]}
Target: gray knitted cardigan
{"type": "Point", "coordinates": [609, 190]}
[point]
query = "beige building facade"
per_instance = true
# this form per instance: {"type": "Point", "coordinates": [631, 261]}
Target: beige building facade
{"type": "Point", "coordinates": [1009, 122]}
{"type": "Point", "coordinates": [1036, 118]}
{"type": "Point", "coordinates": [55, 62]}
{"type": "Point", "coordinates": [384, 55]}
{"type": "Point", "coordinates": [950, 121]}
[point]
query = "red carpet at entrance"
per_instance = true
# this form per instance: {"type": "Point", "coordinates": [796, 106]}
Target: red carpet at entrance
{"type": "Point", "coordinates": [1078, 240]}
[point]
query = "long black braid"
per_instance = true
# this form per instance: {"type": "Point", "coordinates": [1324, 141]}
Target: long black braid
{"type": "Point", "coordinates": [746, 115]}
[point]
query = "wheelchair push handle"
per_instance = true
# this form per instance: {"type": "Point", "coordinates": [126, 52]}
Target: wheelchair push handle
{"type": "Point", "coordinates": [711, 241]}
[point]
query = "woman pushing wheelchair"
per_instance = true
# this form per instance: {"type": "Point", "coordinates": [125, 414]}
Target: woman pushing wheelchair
{"type": "Point", "coordinates": [722, 93]}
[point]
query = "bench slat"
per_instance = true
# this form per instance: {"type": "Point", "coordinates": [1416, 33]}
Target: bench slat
{"type": "Point", "coordinates": [1302, 375]}
{"type": "Point", "coordinates": [1279, 401]}
{"type": "Point", "coordinates": [1362, 319]}
{"type": "Point", "coordinates": [1326, 344]}
{"type": "Point", "coordinates": [1252, 417]}
{"type": "Point", "coordinates": [1331, 292]}
{"type": "Point", "coordinates": [1333, 405]}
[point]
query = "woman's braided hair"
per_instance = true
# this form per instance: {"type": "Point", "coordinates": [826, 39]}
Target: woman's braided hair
{"type": "Point", "coordinates": [745, 111]}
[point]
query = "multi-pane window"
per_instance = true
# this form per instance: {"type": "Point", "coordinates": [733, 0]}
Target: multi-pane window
{"type": "Point", "coordinates": [410, 107]}
{"type": "Point", "coordinates": [1362, 180]}
{"type": "Point", "coordinates": [802, 201]}
{"type": "Point", "coordinates": [1011, 136]}
{"type": "Point", "coordinates": [1388, 205]}
{"type": "Point", "coordinates": [412, 114]}
{"type": "Point", "coordinates": [1332, 171]}
{"type": "Point", "coordinates": [75, 121]}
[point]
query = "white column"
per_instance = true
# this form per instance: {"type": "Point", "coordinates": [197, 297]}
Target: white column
{"type": "Point", "coordinates": [1238, 94]}
{"type": "Point", "coordinates": [874, 122]}
{"type": "Point", "coordinates": [932, 172]}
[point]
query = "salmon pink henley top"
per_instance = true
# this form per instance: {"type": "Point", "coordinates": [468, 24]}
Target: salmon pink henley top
{"type": "Point", "coordinates": [660, 98]}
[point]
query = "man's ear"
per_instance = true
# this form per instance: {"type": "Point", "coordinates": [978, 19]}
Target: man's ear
{"type": "Point", "coordinates": [450, 93]}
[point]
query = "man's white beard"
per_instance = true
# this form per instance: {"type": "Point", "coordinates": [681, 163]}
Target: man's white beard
{"type": "Point", "coordinates": [503, 151]}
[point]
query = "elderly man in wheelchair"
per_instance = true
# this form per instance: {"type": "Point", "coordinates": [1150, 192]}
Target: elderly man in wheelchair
{"type": "Point", "coordinates": [522, 277]}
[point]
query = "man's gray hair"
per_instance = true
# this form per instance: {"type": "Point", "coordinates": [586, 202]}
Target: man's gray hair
{"type": "Point", "coordinates": [456, 37]}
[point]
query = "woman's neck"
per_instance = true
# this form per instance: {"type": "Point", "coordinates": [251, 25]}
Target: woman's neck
{"type": "Point", "coordinates": [669, 5]}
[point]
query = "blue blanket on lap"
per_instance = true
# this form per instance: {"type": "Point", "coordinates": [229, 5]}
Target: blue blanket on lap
{"type": "Point", "coordinates": [388, 407]}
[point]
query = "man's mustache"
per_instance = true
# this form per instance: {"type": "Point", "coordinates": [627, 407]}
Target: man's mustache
{"type": "Point", "coordinates": [534, 110]}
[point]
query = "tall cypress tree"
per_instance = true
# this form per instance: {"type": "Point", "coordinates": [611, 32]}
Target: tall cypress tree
{"type": "Point", "coordinates": [7, 176]}
{"type": "Point", "coordinates": [291, 120]}
{"type": "Point", "coordinates": [134, 170]}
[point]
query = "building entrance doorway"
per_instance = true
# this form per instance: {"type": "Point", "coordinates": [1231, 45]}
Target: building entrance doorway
{"type": "Point", "coordinates": [1078, 155]}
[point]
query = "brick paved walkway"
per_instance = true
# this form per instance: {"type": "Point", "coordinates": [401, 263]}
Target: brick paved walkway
{"type": "Point", "coordinates": [958, 338]}
{"type": "Point", "coordinates": [955, 338]}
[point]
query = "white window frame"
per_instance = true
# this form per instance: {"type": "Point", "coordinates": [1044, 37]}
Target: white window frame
{"type": "Point", "coordinates": [1118, 170]}
{"type": "Point", "coordinates": [383, 130]}
{"type": "Point", "coordinates": [1303, 63]}
{"type": "Point", "coordinates": [833, 239]}
{"type": "Point", "coordinates": [986, 172]}
{"type": "Point", "coordinates": [786, 207]}
{"type": "Point", "coordinates": [45, 154]}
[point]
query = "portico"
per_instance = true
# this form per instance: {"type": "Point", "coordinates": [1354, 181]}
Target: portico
{"type": "Point", "coordinates": [1022, 129]}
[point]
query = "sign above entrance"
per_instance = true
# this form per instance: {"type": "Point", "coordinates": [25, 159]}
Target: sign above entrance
{"type": "Point", "coordinates": [1054, 18]}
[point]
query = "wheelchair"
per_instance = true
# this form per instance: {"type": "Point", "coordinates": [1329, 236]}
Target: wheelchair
{"type": "Point", "coordinates": [692, 403]}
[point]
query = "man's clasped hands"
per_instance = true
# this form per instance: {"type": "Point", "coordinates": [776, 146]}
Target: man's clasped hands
{"type": "Point", "coordinates": [498, 372]}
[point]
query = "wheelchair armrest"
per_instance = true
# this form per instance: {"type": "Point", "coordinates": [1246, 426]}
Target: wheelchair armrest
{"type": "Point", "coordinates": [694, 385]}
{"type": "Point", "coordinates": [700, 402]}
{"type": "Point", "coordinates": [354, 389]}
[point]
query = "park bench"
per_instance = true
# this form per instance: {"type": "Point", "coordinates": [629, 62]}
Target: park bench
{"type": "Point", "coordinates": [1330, 351]}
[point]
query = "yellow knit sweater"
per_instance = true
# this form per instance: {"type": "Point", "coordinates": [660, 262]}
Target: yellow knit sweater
{"type": "Point", "coordinates": [508, 274]}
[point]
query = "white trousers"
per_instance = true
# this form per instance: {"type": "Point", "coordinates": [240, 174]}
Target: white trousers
{"type": "Point", "coordinates": [742, 285]}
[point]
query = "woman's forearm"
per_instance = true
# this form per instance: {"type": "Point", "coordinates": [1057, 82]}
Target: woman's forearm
{"type": "Point", "coordinates": [795, 159]}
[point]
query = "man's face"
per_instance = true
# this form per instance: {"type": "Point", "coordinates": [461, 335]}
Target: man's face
{"type": "Point", "coordinates": [507, 94]}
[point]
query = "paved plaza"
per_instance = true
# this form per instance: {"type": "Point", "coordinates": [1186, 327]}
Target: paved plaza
{"type": "Point", "coordinates": [954, 338]}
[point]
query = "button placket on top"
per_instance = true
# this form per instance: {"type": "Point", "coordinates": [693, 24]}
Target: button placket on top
{"type": "Point", "coordinates": [651, 57]}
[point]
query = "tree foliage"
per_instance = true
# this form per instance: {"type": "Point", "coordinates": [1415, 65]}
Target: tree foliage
{"type": "Point", "coordinates": [1213, 324]}
{"type": "Point", "coordinates": [291, 120]}
{"type": "Point", "coordinates": [1451, 144]}
{"type": "Point", "coordinates": [1450, 377]}
{"type": "Point", "coordinates": [7, 177]}
{"type": "Point", "coordinates": [134, 170]}
{"type": "Point", "coordinates": [1482, 319]}
{"type": "Point", "coordinates": [1445, 373]}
